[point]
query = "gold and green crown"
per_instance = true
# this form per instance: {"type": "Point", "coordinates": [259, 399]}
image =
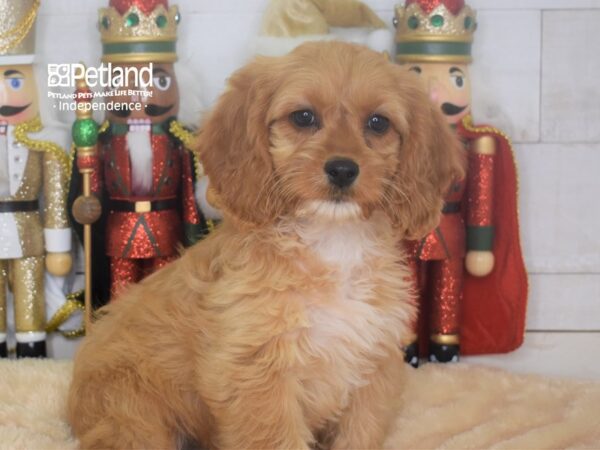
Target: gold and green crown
{"type": "Point", "coordinates": [135, 37]}
{"type": "Point", "coordinates": [17, 31]}
{"type": "Point", "coordinates": [434, 36]}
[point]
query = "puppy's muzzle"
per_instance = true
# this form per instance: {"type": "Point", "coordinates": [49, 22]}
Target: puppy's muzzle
{"type": "Point", "coordinates": [341, 172]}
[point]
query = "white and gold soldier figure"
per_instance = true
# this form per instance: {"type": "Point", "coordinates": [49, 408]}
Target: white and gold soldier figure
{"type": "Point", "coordinates": [34, 229]}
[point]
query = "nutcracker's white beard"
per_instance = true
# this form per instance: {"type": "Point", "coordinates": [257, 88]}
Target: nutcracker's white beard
{"type": "Point", "coordinates": [139, 144]}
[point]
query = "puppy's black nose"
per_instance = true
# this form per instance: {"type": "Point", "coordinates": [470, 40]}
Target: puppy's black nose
{"type": "Point", "coordinates": [341, 172]}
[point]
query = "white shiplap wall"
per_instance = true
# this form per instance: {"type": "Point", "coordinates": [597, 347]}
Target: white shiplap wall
{"type": "Point", "coordinates": [536, 72]}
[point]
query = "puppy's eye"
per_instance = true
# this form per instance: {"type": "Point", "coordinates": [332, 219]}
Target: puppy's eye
{"type": "Point", "coordinates": [378, 124]}
{"type": "Point", "coordinates": [304, 118]}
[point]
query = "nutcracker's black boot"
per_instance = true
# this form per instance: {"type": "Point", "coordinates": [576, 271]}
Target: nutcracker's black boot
{"type": "Point", "coordinates": [443, 353]}
{"type": "Point", "coordinates": [411, 354]}
{"type": "Point", "coordinates": [3, 350]}
{"type": "Point", "coordinates": [36, 349]}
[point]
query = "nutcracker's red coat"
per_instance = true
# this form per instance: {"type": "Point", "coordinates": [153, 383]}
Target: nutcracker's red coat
{"type": "Point", "coordinates": [152, 234]}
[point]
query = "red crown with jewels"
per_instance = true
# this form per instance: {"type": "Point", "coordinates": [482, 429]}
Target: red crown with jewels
{"type": "Point", "coordinates": [434, 30]}
{"type": "Point", "coordinates": [454, 6]}
{"type": "Point", "coordinates": [139, 31]}
{"type": "Point", "coordinates": [145, 6]}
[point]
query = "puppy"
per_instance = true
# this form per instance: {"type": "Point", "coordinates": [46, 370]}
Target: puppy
{"type": "Point", "coordinates": [282, 329]}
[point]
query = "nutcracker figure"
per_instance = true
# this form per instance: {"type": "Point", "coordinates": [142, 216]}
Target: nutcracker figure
{"type": "Point", "coordinates": [34, 229]}
{"type": "Point", "coordinates": [142, 175]}
{"type": "Point", "coordinates": [469, 271]}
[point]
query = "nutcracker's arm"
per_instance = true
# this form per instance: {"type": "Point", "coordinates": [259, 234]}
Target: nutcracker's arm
{"type": "Point", "coordinates": [195, 226]}
{"type": "Point", "coordinates": [196, 221]}
{"type": "Point", "coordinates": [480, 197]}
{"type": "Point", "coordinates": [57, 234]}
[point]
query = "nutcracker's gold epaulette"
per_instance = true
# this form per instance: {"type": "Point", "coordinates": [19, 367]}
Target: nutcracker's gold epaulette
{"type": "Point", "coordinates": [34, 126]}
{"type": "Point", "coordinates": [190, 142]}
{"type": "Point", "coordinates": [467, 123]}
{"type": "Point", "coordinates": [188, 138]}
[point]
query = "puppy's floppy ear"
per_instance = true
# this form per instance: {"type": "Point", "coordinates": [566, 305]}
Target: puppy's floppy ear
{"type": "Point", "coordinates": [234, 144]}
{"type": "Point", "coordinates": [431, 158]}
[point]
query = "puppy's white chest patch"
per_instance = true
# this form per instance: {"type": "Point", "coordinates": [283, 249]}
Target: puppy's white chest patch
{"type": "Point", "coordinates": [344, 246]}
{"type": "Point", "coordinates": [350, 326]}
{"type": "Point", "coordinates": [345, 324]}
{"type": "Point", "coordinates": [341, 247]}
{"type": "Point", "coordinates": [347, 320]}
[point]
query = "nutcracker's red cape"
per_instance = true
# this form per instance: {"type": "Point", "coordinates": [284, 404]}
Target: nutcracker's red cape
{"type": "Point", "coordinates": [494, 306]}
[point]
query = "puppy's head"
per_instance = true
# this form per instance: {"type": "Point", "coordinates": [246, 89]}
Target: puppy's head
{"type": "Point", "coordinates": [331, 130]}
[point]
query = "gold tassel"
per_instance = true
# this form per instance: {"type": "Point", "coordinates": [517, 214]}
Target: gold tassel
{"type": "Point", "coordinates": [103, 127]}
{"type": "Point", "coordinates": [68, 308]}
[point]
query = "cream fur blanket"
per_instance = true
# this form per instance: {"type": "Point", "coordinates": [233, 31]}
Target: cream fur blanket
{"type": "Point", "coordinates": [455, 406]}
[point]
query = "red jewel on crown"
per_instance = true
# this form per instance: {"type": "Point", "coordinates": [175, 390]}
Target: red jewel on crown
{"type": "Point", "coordinates": [145, 6]}
{"type": "Point", "coordinates": [454, 6]}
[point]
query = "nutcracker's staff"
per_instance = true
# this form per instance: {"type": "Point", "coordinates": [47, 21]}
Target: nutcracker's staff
{"type": "Point", "coordinates": [87, 208]}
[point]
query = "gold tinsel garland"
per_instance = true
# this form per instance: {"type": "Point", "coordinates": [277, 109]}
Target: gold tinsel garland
{"type": "Point", "coordinates": [15, 35]}
{"type": "Point", "coordinates": [33, 126]}
{"type": "Point", "coordinates": [68, 308]}
{"type": "Point", "coordinates": [190, 142]}
{"type": "Point", "coordinates": [187, 137]}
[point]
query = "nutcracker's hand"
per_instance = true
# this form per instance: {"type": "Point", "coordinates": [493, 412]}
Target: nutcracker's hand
{"type": "Point", "coordinates": [192, 234]}
{"type": "Point", "coordinates": [479, 263]}
{"type": "Point", "coordinates": [58, 264]}
{"type": "Point", "coordinates": [86, 210]}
